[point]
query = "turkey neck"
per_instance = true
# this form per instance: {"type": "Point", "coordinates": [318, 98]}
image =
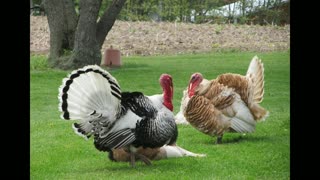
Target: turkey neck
{"type": "Point", "coordinates": [194, 82]}
{"type": "Point", "coordinates": [167, 96]}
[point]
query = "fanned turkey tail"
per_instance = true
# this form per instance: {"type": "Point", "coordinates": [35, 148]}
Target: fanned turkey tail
{"type": "Point", "coordinates": [255, 74]}
{"type": "Point", "coordinates": [88, 94]}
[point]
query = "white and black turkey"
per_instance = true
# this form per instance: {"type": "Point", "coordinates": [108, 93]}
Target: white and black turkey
{"type": "Point", "coordinates": [116, 119]}
{"type": "Point", "coordinates": [229, 103]}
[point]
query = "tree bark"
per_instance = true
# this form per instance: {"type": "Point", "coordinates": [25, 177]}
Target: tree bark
{"type": "Point", "coordinates": [62, 20]}
{"type": "Point", "coordinates": [71, 24]}
{"type": "Point", "coordinates": [86, 50]}
{"type": "Point", "coordinates": [107, 20]}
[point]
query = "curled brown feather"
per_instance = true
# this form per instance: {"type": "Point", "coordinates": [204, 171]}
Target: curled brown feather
{"type": "Point", "coordinates": [238, 82]}
{"type": "Point", "coordinates": [202, 115]}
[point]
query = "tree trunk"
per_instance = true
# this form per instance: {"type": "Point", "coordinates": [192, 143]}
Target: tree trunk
{"type": "Point", "coordinates": [62, 20]}
{"type": "Point", "coordinates": [86, 49]}
{"type": "Point", "coordinates": [107, 20]}
{"type": "Point", "coordinates": [84, 37]}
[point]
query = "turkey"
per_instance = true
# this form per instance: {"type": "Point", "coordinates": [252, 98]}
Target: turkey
{"type": "Point", "coordinates": [229, 103]}
{"type": "Point", "coordinates": [164, 152]}
{"type": "Point", "coordinates": [116, 119]}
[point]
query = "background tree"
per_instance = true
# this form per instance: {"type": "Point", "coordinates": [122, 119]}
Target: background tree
{"type": "Point", "coordinates": [78, 28]}
{"type": "Point", "coordinates": [76, 38]}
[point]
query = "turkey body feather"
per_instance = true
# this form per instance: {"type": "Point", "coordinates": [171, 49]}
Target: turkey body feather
{"type": "Point", "coordinates": [116, 119]}
{"type": "Point", "coordinates": [179, 117]}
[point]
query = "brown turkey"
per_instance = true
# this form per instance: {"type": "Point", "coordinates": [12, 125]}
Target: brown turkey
{"type": "Point", "coordinates": [229, 103]}
{"type": "Point", "coordinates": [164, 152]}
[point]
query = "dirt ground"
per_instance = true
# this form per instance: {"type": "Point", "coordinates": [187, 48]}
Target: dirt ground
{"type": "Point", "coordinates": [155, 38]}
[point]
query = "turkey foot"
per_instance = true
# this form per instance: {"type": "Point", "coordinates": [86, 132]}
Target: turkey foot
{"type": "Point", "coordinates": [132, 159]}
{"type": "Point", "coordinates": [143, 158]}
{"type": "Point", "coordinates": [219, 140]}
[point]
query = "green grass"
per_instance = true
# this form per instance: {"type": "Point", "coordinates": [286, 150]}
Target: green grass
{"type": "Point", "coordinates": [58, 153]}
{"type": "Point", "coordinates": [39, 62]}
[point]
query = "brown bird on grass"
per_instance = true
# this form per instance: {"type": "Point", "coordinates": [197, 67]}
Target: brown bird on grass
{"type": "Point", "coordinates": [164, 152]}
{"type": "Point", "coordinates": [229, 103]}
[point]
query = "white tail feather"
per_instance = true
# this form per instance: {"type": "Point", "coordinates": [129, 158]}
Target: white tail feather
{"type": "Point", "coordinates": [256, 73]}
{"type": "Point", "coordinates": [89, 89]}
{"type": "Point", "coordinates": [255, 66]}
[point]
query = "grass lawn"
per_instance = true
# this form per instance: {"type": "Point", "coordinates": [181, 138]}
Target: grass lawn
{"type": "Point", "coordinates": [58, 153]}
